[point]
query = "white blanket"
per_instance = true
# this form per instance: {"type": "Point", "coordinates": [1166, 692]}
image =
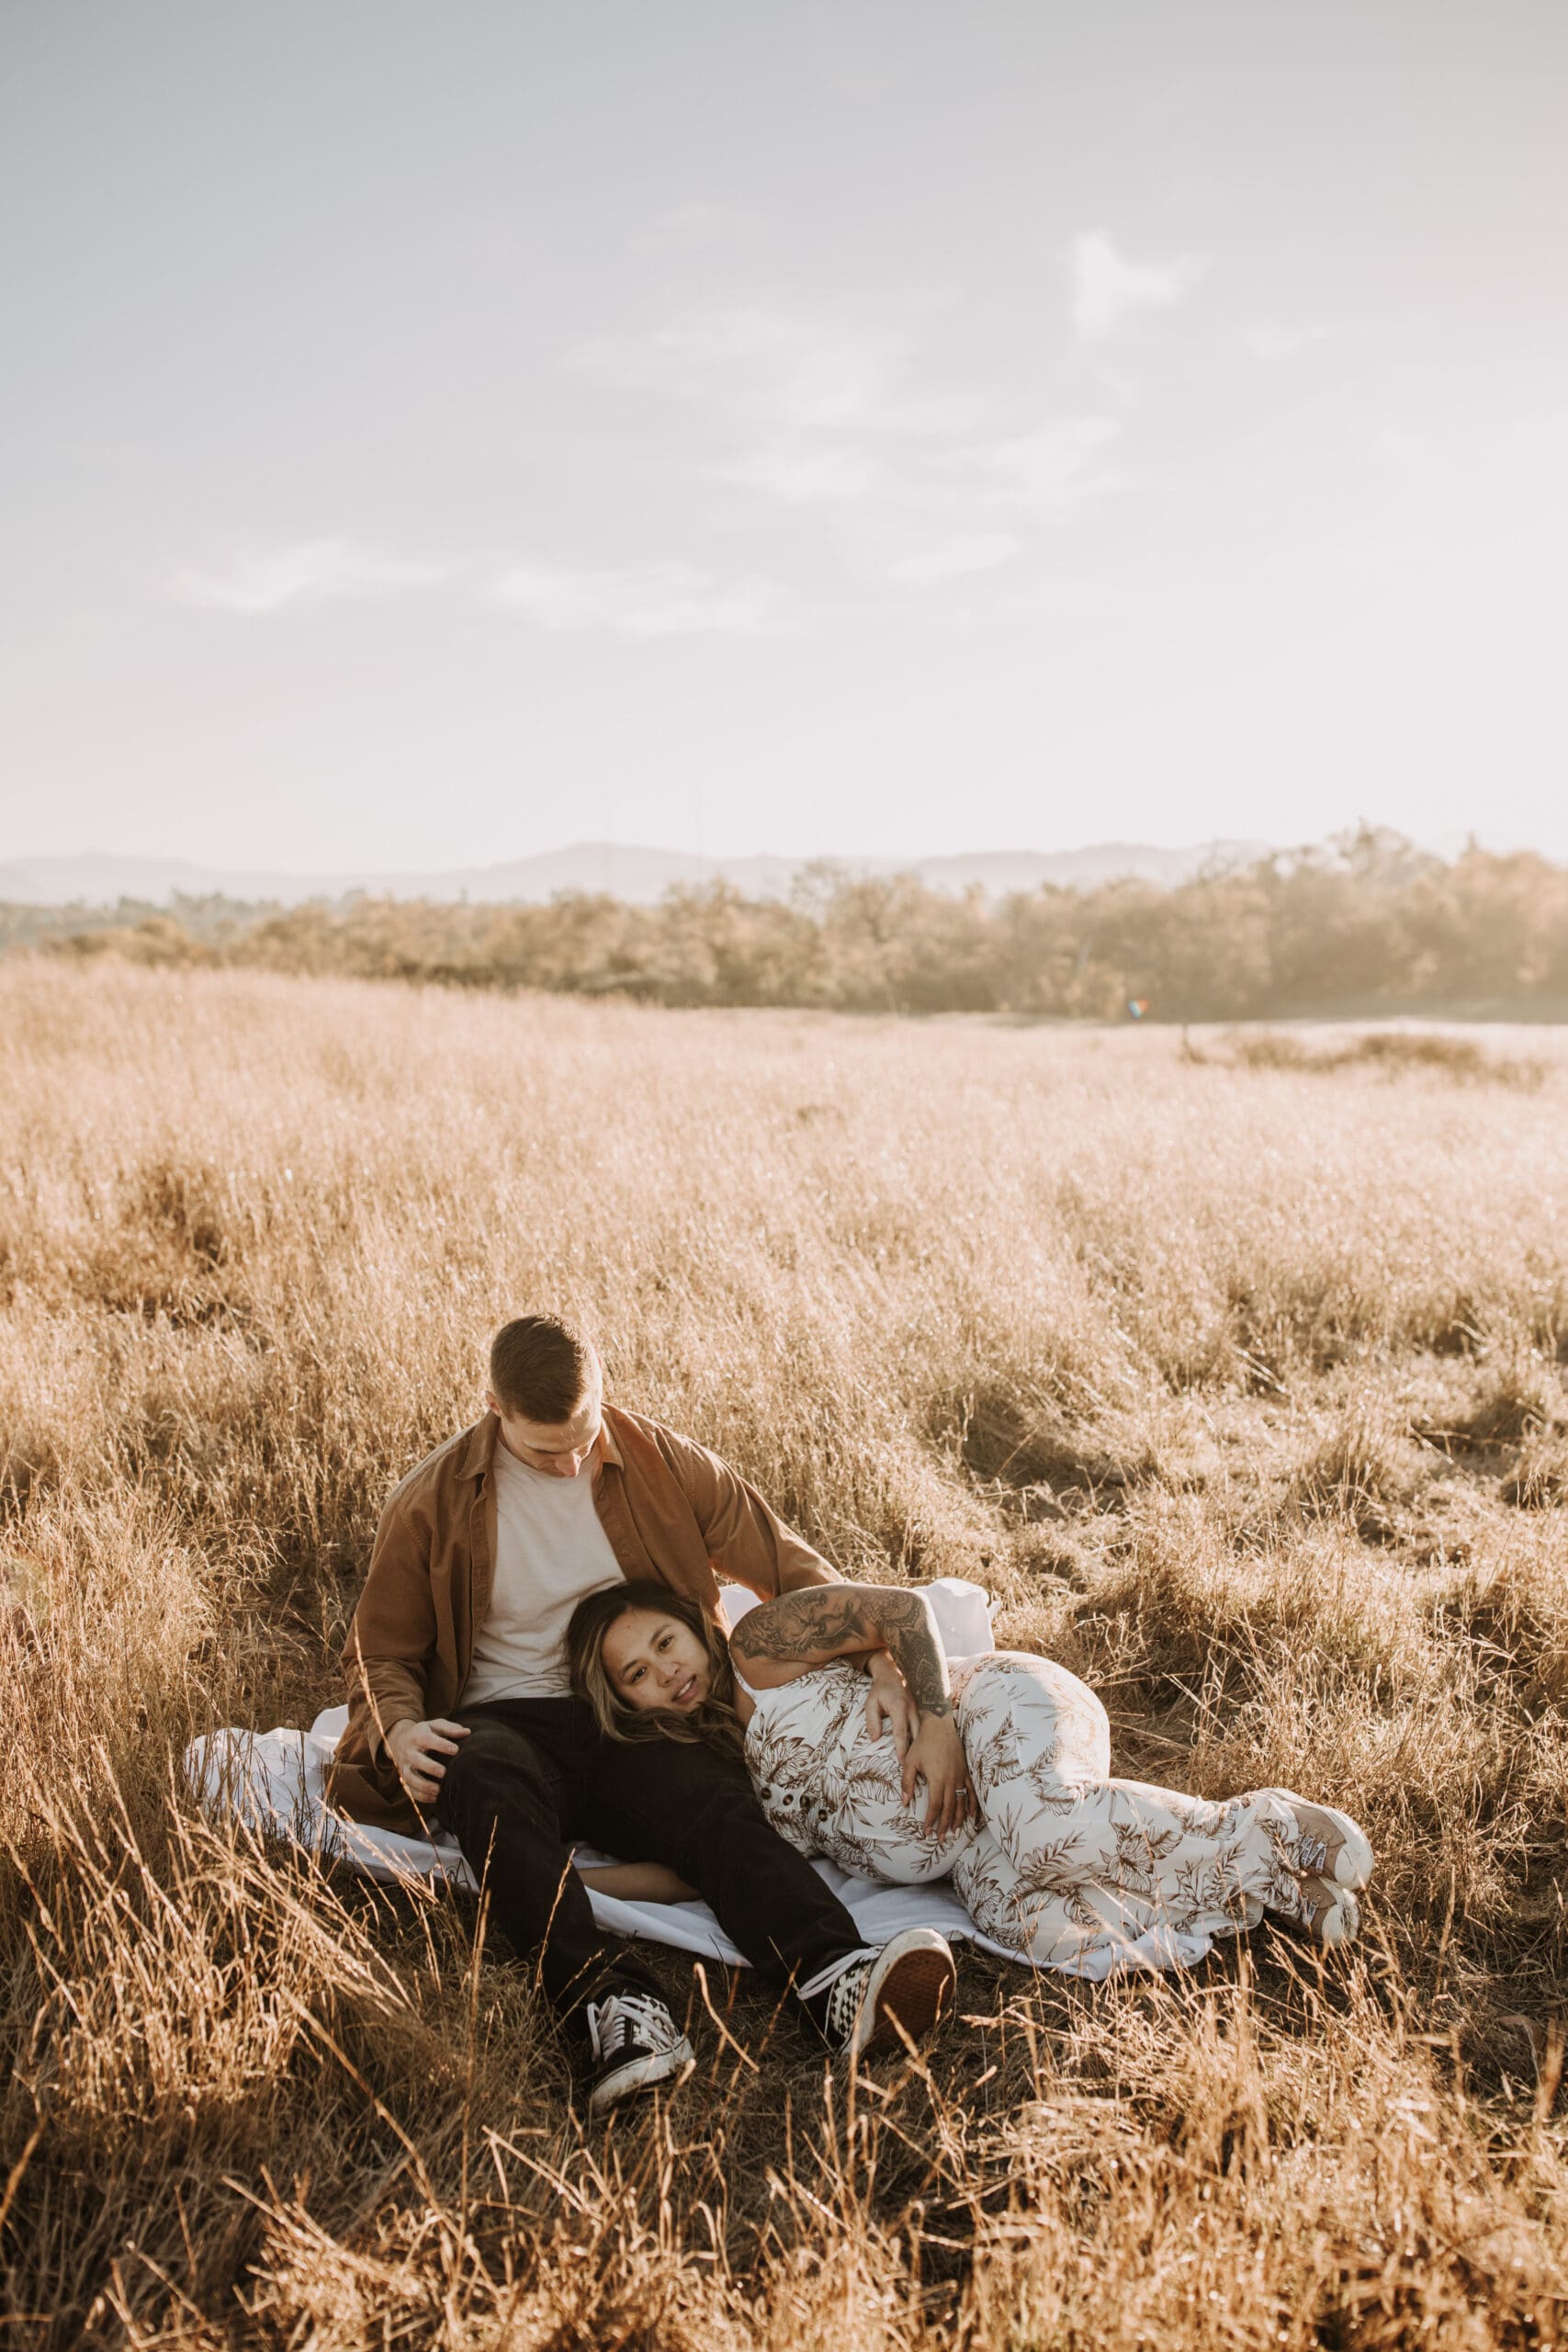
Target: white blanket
{"type": "Point", "coordinates": [275, 1781]}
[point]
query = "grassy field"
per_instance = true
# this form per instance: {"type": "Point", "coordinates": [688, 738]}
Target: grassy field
{"type": "Point", "coordinates": [1235, 1370]}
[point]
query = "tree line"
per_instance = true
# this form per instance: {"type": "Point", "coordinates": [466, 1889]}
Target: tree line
{"type": "Point", "coordinates": [1363, 925]}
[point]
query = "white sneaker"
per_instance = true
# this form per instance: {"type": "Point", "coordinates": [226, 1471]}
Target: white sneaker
{"type": "Point", "coordinates": [1329, 1915]}
{"type": "Point", "coordinates": [636, 2044]}
{"type": "Point", "coordinates": [1332, 1845]}
{"type": "Point", "coordinates": [878, 1997]}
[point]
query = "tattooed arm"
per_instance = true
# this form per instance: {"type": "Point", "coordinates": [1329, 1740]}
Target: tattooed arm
{"type": "Point", "coordinates": [788, 1637]}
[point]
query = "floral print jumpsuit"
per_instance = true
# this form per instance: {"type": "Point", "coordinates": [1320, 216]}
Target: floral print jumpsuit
{"type": "Point", "coordinates": [1069, 1868]}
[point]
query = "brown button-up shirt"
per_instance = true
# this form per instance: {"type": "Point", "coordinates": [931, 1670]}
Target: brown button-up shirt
{"type": "Point", "coordinates": [671, 1508]}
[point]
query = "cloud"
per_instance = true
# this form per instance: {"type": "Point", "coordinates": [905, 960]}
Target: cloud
{"type": "Point", "coordinates": [635, 599]}
{"type": "Point", "coordinates": [818, 407]}
{"type": "Point", "coordinates": [825, 411]}
{"type": "Point", "coordinates": [981, 551]}
{"type": "Point", "coordinates": [312, 571]}
{"type": "Point", "coordinates": [1275, 342]}
{"type": "Point", "coordinates": [800, 473]}
{"type": "Point", "coordinates": [1107, 287]}
{"type": "Point", "coordinates": [794, 370]}
{"type": "Point", "coordinates": [920, 485]}
{"type": "Point", "coordinates": [1045, 470]}
{"type": "Point", "coordinates": [642, 600]}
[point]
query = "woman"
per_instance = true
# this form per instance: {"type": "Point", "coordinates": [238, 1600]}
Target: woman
{"type": "Point", "coordinates": [1052, 1858]}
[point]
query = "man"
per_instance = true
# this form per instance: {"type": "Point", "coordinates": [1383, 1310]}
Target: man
{"type": "Point", "coordinates": [459, 1705]}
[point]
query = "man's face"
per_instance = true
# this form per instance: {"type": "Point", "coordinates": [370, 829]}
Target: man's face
{"type": "Point", "coordinates": [559, 1449]}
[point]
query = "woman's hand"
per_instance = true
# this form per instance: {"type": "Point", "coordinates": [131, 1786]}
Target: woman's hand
{"type": "Point", "coordinates": [889, 1705]}
{"type": "Point", "coordinates": [936, 1757]}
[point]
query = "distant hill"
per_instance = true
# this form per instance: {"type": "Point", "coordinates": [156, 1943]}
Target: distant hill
{"type": "Point", "coordinates": [627, 871]}
{"type": "Point", "coordinates": [1001, 871]}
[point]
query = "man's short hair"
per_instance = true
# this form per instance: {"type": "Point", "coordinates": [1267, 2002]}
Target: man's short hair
{"type": "Point", "coordinates": [541, 1368]}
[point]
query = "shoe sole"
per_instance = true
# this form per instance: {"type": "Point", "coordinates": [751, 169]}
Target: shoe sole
{"type": "Point", "coordinates": [1353, 1862]}
{"type": "Point", "coordinates": [910, 1999]}
{"type": "Point", "coordinates": [641, 2074]}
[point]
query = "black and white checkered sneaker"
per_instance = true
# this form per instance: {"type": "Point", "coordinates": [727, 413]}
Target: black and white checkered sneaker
{"type": "Point", "coordinates": [874, 1998]}
{"type": "Point", "coordinates": [636, 2044]}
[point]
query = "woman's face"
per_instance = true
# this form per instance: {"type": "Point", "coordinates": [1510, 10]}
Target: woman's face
{"type": "Point", "coordinates": [655, 1662]}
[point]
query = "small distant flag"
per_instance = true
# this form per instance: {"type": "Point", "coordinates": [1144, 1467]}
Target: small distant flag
{"type": "Point", "coordinates": [1137, 1006]}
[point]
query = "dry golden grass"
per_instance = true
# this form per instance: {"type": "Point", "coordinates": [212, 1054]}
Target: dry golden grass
{"type": "Point", "coordinates": [1241, 1385]}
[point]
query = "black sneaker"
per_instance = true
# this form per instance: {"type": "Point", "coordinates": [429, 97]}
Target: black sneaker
{"type": "Point", "coordinates": [877, 1997]}
{"type": "Point", "coordinates": [636, 2044]}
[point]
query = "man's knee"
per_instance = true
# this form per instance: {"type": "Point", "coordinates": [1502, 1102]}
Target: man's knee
{"type": "Point", "coordinates": [495, 1767]}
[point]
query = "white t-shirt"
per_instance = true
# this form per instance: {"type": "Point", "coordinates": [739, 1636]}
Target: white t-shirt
{"type": "Point", "coordinates": [550, 1551]}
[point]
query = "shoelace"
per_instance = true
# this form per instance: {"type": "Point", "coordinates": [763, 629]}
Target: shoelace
{"type": "Point", "coordinates": [624, 2019]}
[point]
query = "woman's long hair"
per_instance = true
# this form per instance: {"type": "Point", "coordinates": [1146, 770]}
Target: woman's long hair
{"type": "Point", "coordinates": [714, 1723]}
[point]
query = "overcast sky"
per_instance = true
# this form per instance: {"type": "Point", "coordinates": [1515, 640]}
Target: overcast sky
{"type": "Point", "coordinates": [431, 433]}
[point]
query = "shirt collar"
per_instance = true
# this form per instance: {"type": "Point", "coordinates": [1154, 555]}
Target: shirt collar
{"type": "Point", "coordinates": [479, 1455]}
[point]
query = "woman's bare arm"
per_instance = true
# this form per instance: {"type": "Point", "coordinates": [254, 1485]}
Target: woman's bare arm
{"type": "Point", "coordinates": [637, 1881]}
{"type": "Point", "coordinates": [788, 1637]}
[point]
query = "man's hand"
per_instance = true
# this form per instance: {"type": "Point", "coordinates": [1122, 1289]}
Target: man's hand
{"type": "Point", "coordinates": [936, 1757]}
{"type": "Point", "coordinates": [889, 1705]}
{"type": "Point", "coordinates": [416, 1750]}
